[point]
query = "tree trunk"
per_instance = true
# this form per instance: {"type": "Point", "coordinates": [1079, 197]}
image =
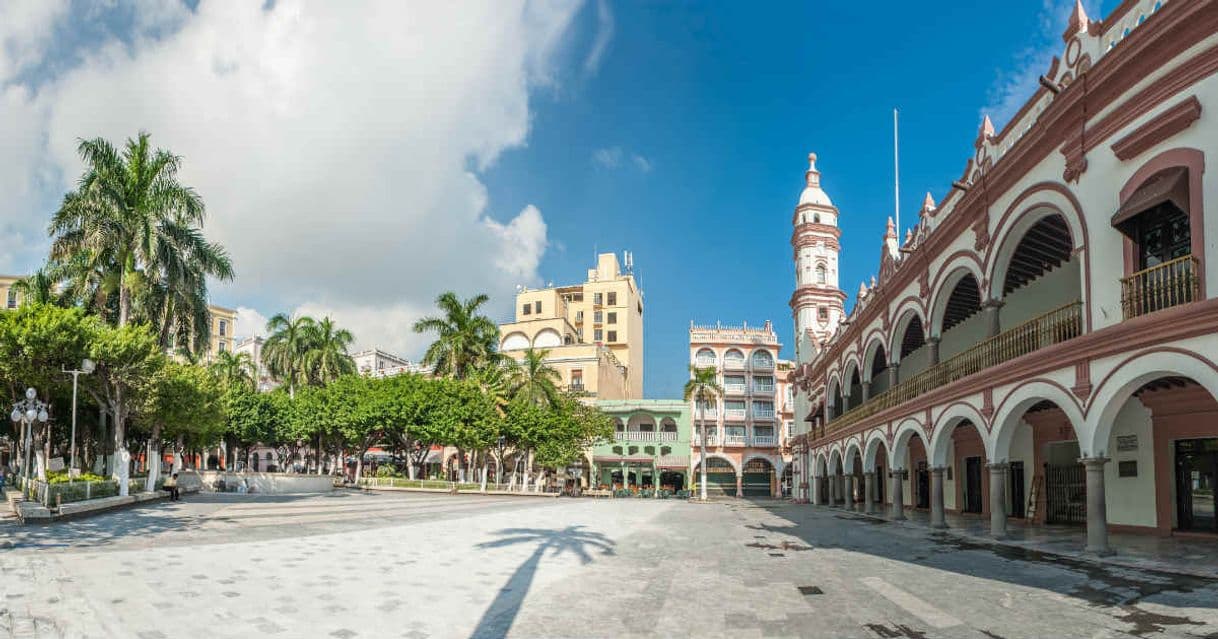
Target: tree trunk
{"type": "Point", "coordinates": [484, 472]}
{"type": "Point", "coordinates": [154, 459]}
{"type": "Point", "coordinates": [122, 459]}
{"type": "Point", "coordinates": [317, 456]}
{"type": "Point", "coordinates": [124, 300]}
{"type": "Point", "coordinates": [178, 449]}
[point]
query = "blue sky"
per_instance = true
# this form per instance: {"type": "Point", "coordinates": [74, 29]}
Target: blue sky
{"type": "Point", "coordinates": [724, 103]}
{"type": "Point", "coordinates": [357, 159]}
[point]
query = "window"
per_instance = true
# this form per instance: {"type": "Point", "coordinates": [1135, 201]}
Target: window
{"type": "Point", "coordinates": [12, 298]}
{"type": "Point", "coordinates": [820, 274]}
{"type": "Point", "coordinates": [613, 318]}
{"type": "Point", "coordinates": [577, 379]}
{"type": "Point", "coordinates": [598, 335]}
{"type": "Point", "coordinates": [598, 316]}
{"type": "Point", "coordinates": [527, 309]}
{"type": "Point", "coordinates": [613, 299]}
{"type": "Point", "coordinates": [612, 336]}
{"type": "Point", "coordinates": [816, 218]}
{"type": "Point", "coordinates": [223, 347]}
{"type": "Point", "coordinates": [597, 298]}
{"type": "Point", "coordinates": [537, 307]}
{"type": "Point", "coordinates": [223, 328]}
{"type": "Point", "coordinates": [823, 313]}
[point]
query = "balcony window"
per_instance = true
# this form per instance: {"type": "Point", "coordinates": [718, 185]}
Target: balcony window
{"type": "Point", "coordinates": [612, 299]}
{"type": "Point", "coordinates": [223, 328]}
{"type": "Point", "coordinates": [763, 360]}
{"type": "Point", "coordinates": [612, 318]}
{"type": "Point", "coordinates": [733, 359]}
{"type": "Point", "coordinates": [598, 335]}
{"type": "Point", "coordinates": [733, 383]}
{"type": "Point", "coordinates": [705, 358]}
{"type": "Point", "coordinates": [763, 384]}
{"type": "Point", "coordinates": [537, 307]}
{"type": "Point", "coordinates": [12, 298]}
{"type": "Point", "coordinates": [597, 298]}
{"type": "Point", "coordinates": [764, 410]}
{"type": "Point", "coordinates": [1155, 219]}
{"type": "Point", "coordinates": [598, 317]}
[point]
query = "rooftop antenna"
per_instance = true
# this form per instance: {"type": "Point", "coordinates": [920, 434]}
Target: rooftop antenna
{"type": "Point", "coordinates": [896, 174]}
{"type": "Point", "coordinates": [629, 261]}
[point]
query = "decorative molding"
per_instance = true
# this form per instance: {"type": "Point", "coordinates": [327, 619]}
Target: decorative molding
{"type": "Point", "coordinates": [1082, 380]}
{"type": "Point", "coordinates": [1172, 121]}
{"type": "Point", "coordinates": [987, 405]}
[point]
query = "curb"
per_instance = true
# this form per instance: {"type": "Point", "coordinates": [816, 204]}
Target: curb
{"type": "Point", "coordinates": [1109, 561]}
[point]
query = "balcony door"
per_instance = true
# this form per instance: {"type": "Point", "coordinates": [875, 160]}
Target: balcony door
{"type": "Point", "coordinates": [1196, 480]}
{"type": "Point", "coordinates": [1160, 235]}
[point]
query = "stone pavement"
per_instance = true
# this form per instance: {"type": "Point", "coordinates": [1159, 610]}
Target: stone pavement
{"type": "Point", "coordinates": [417, 566]}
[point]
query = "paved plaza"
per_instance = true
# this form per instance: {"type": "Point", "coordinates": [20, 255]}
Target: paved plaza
{"type": "Point", "coordinates": [414, 566]}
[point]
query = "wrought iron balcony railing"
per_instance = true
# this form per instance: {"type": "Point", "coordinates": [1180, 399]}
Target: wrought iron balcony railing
{"type": "Point", "coordinates": [1054, 327]}
{"type": "Point", "coordinates": [1171, 283]}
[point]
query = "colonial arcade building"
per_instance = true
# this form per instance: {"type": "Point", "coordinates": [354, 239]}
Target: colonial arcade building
{"type": "Point", "coordinates": [1042, 346]}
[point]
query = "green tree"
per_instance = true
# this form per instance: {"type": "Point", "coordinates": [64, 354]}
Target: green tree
{"type": "Point", "coordinates": [254, 418]}
{"type": "Point", "coordinates": [285, 352]}
{"type": "Point", "coordinates": [326, 357]}
{"type": "Point", "coordinates": [535, 381]}
{"type": "Point", "coordinates": [132, 228]}
{"type": "Point", "coordinates": [464, 338]}
{"type": "Point", "coordinates": [234, 369]}
{"type": "Point", "coordinates": [183, 402]}
{"type": "Point", "coordinates": [703, 387]}
{"type": "Point", "coordinates": [127, 358]}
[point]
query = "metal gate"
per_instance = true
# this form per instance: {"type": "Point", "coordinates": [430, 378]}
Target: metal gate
{"type": "Point", "coordinates": [1065, 494]}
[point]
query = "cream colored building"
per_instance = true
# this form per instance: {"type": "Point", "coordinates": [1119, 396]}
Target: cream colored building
{"type": "Point", "coordinates": [9, 297]}
{"type": "Point", "coordinates": [593, 330]}
{"type": "Point", "coordinates": [223, 325]}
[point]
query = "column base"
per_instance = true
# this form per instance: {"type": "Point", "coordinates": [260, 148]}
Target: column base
{"type": "Point", "coordinates": [939, 526]}
{"type": "Point", "coordinates": [1099, 552]}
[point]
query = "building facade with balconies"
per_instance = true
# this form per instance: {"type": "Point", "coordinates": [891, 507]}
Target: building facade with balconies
{"type": "Point", "coordinates": [650, 446]}
{"type": "Point", "coordinates": [1042, 344]}
{"type": "Point", "coordinates": [745, 438]}
{"type": "Point", "coordinates": [593, 331]}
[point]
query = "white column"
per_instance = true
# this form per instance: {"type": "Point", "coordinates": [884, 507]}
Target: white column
{"type": "Point", "coordinates": [1097, 507]}
{"type": "Point", "coordinates": [869, 492]}
{"type": "Point", "coordinates": [848, 492]}
{"type": "Point", "coordinates": [938, 517]}
{"type": "Point", "coordinates": [897, 512]}
{"type": "Point", "coordinates": [998, 500]}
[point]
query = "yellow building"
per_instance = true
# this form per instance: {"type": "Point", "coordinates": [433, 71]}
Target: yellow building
{"type": "Point", "coordinates": [9, 297]}
{"type": "Point", "coordinates": [223, 325]}
{"type": "Point", "coordinates": [594, 331]}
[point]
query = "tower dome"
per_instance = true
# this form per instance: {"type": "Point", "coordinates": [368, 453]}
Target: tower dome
{"type": "Point", "coordinates": [812, 193]}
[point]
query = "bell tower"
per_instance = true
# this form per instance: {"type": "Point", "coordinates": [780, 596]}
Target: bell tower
{"type": "Point", "coordinates": [818, 303]}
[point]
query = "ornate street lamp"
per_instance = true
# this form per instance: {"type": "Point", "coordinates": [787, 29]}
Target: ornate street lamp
{"type": "Point", "coordinates": [86, 367]}
{"type": "Point", "coordinates": [28, 411]}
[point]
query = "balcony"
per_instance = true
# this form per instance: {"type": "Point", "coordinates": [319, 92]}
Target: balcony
{"type": "Point", "coordinates": [712, 439]}
{"type": "Point", "coordinates": [763, 413]}
{"type": "Point", "coordinates": [735, 389]}
{"type": "Point", "coordinates": [734, 413]}
{"type": "Point", "coordinates": [1171, 283]}
{"type": "Point", "coordinates": [710, 414]}
{"type": "Point", "coordinates": [765, 440]}
{"type": "Point", "coordinates": [1054, 327]}
{"type": "Point", "coordinates": [763, 389]}
{"type": "Point", "coordinates": [644, 436]}
{"type": "Point", "coordinates": [705, 362]}
{"type": "Point", "coordinates": [763, 364]}
{"type": "Point", "coordinates": [735, 440]}
{"type": "Point", "coordinates": [733, 363]}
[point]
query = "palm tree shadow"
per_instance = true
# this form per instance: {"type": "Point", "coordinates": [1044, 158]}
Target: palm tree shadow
{"type": "Point", "coordinates": [500, 615]}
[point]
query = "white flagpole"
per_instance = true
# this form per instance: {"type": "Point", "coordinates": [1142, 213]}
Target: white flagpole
{"type": "Point", "coordinates": [896, 176]}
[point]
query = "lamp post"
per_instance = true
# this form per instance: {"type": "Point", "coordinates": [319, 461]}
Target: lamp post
{"type": "Point", "coordinates": [86, 367]}
{"type": "Point", "coordinates": [28, 411]}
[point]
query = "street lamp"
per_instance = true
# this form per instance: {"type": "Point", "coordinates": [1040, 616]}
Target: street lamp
{"type": "Point", "coordinates": [28, 411]}
{"type": "Point", "coordinates": [86, 367]}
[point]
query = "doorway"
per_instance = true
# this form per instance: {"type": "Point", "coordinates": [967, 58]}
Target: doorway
{"type": "Point", "coordinates": [972, 485]}
{"type": "Point", "coordinates": [1019, 506]}
{"type": "Point", "coordinates": [1196, 475]}
{"type": "Point", "coordinates": [922, 499]}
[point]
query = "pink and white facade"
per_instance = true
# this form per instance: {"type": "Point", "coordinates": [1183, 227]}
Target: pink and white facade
{"type": "Point", "coordinates": [746, 429]}
{"type": "Point", "coordinates": [1043, 344]}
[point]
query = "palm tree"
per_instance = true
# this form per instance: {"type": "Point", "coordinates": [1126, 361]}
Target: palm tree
{"type": "Point", "coordinates": [38, 287]}
{"type": "Point", "coordinates": [326, 357]}
{"type": "Point", "coordinates": [286, 349]}
{"type": "Point", "coordinates": [130, 227]}
{"type": "Point", "coordinates": [493, 380]}
{"type": "Point", "coordinates": [703, 387]}
{"type": "Point", "coordinates": [464, 339]}
{"type": "Point", "coordinates": [235, 369]}
{"type": "Point", "coordinates": [533, 380]}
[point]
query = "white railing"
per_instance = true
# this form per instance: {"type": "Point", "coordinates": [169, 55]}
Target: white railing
{"type": "Point", "coordinates": [733, 363]}
{"type": "Point", "coordinates": [736, 440]}
{"type": "Point", "coordinates": [712, 439]}
{"type": "Point", "coordinates": [644, 436]}
{"type": "Point", "coordinates": [711, 413]}
{"type": "Point", "coordinates": [735, 389]}
{"type": "Point", "coordinates": [762, 413]}
{"type": "Point", "coordinates": [705, 362]}
{"type": "Point", "coordinates": [763, 388]}
{"type": "Point", "coordinates": [763, 364]}
{"type": "Point", "coordinates": [764, 440]}
{"type": "Point", "coordinates": [734, 413]}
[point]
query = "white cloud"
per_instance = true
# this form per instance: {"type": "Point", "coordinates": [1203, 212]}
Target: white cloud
{"type": "Point", "coordinates": [1013, 86]}
{"type": "Point", "coordinates": [604, 35]}
{"type": "Point", "coordinates": [332, 143]}
{"type": "Point", "coordinates": [615, 157]}
{"type": "Point", "coordinates": [250, 323]}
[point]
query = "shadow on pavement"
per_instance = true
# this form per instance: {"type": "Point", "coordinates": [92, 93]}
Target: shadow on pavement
{"type": "Point", "coordinates": [498, 618]}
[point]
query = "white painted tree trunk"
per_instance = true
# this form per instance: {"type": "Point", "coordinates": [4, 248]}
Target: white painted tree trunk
{"type": "Point", "coordinates": [177, 455]}
{"type": "Point", "coordinates": [122, 470]}
{"type": "Point", "coordinates": [154, 464]}
{"type": "Point", "coordinates": [484, 473]}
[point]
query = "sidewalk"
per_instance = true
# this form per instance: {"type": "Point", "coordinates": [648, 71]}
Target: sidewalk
{"type": "Point", "coordinates": [1195, 557]}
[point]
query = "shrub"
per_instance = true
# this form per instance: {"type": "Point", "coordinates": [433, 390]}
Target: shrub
{"type": "Point", "coordinates": [61, 477]}
{"type": "Point", "coordinates": [387, 471]}
{"type": "Point", "coordinates": [622, 492]}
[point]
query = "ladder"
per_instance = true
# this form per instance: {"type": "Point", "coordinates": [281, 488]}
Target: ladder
{"type": "Point", "coordinates": [1038, 484]}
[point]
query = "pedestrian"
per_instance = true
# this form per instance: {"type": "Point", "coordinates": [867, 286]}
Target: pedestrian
{"type": "Point", "coordinates": [171, 485]}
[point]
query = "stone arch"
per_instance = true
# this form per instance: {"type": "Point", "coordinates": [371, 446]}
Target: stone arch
{"type": "Point", "coordinates": [547, 338]}
{"type": "Point", "coordinates": [1132, 374]}
{"type": "Point", "coordinates": [736, 355]}
{"type": "Point", "coordinates": [905, 431]}
{"type": "Point", "coordinates": [952, 273]}
{"type": "Point", "coordinates": [1046, 199]}
{"type": "Point", "coordinates": [776, 464]}
{"type": "Point", "coordinates": [853, 451]}
{"type": "Point", "coordinates": [759, 356]}
{"type": "Point", "coordinates": [668, 425]}
{"type": "Point", "coordinates": [706, 357]}
{"type": "Point", "coordinates": [729, 460]}
{"type": "Point", "coordinates": [637, 421]}
{"type": "Point", "coordinates": [821, 466]}
{"type": "Point", "coordinates": [835, 461]}
{"type": "Point", "coordinates": [875, 344]}
{"type": "Point", "coordinates": [515, 341]}
{"type": "Point", "coordinates": [874, 444]}
{"type": "Point", "coordinates": [909, 309]}
{"type": "Point", "coordinates": [1194, 161]}
{"type": "Point", "coordinates": [941, 436]}
{"type": "Point", "coordinates": [1015, 405]}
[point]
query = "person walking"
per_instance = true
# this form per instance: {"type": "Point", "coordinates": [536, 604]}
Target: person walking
{"type": "Point", "coordinates": [171, 485]}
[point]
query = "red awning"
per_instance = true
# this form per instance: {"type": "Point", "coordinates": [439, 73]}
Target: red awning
{"type": "Point", "coordinates": [1170, 185]}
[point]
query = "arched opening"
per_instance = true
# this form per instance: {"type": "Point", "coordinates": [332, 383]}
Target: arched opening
{"type": "Point", "coordinates": [1041, 273]}
{"type": "Point", "coordinates": [733, 359]}
{"type": "Point", "coordinates": [820, 274]}
{"type": "Point", "coordinates": [763, 360]}
{"type": "Point", "coordinates": [879, 371]}
{"type": "Point", "coordinates": [855, 395]}
{"type": "Point", "coordinates": [914, 354]}
{"type": "Point", "coordinates": [547, 338]}
{"type": "Point", "coordinates": [909, 454]}
{"type": "Point", "coordinates": [960, 451]}
{"type": "Point", "coordinates": [720, 476]}
{"type": "Point", "coordinates": [962, 324]}
{"type": "Point", "coordinates": [833, 400]}
{"type": "Point", "coordinates": [640, 426]}
{"type": "Point", "coordinates": [758, 478]}
{"type": "Point", "coordinates": [705, 358]}
{"type": "Point", "coordinates": [786, 485]}
{"type": "Point", "coordinates": [515, 342]}
{"type": "Point", "coordinates": [1045, 483]}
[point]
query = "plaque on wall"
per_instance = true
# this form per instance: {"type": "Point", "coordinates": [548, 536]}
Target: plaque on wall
{"type": "Point", "coordinates": [1126, 443]}
{"type": "Point", "coordinates": [1127, 468]}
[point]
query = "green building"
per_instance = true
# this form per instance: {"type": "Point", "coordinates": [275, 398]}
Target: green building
{"type": "Point", "coordinates": [650, 445]}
